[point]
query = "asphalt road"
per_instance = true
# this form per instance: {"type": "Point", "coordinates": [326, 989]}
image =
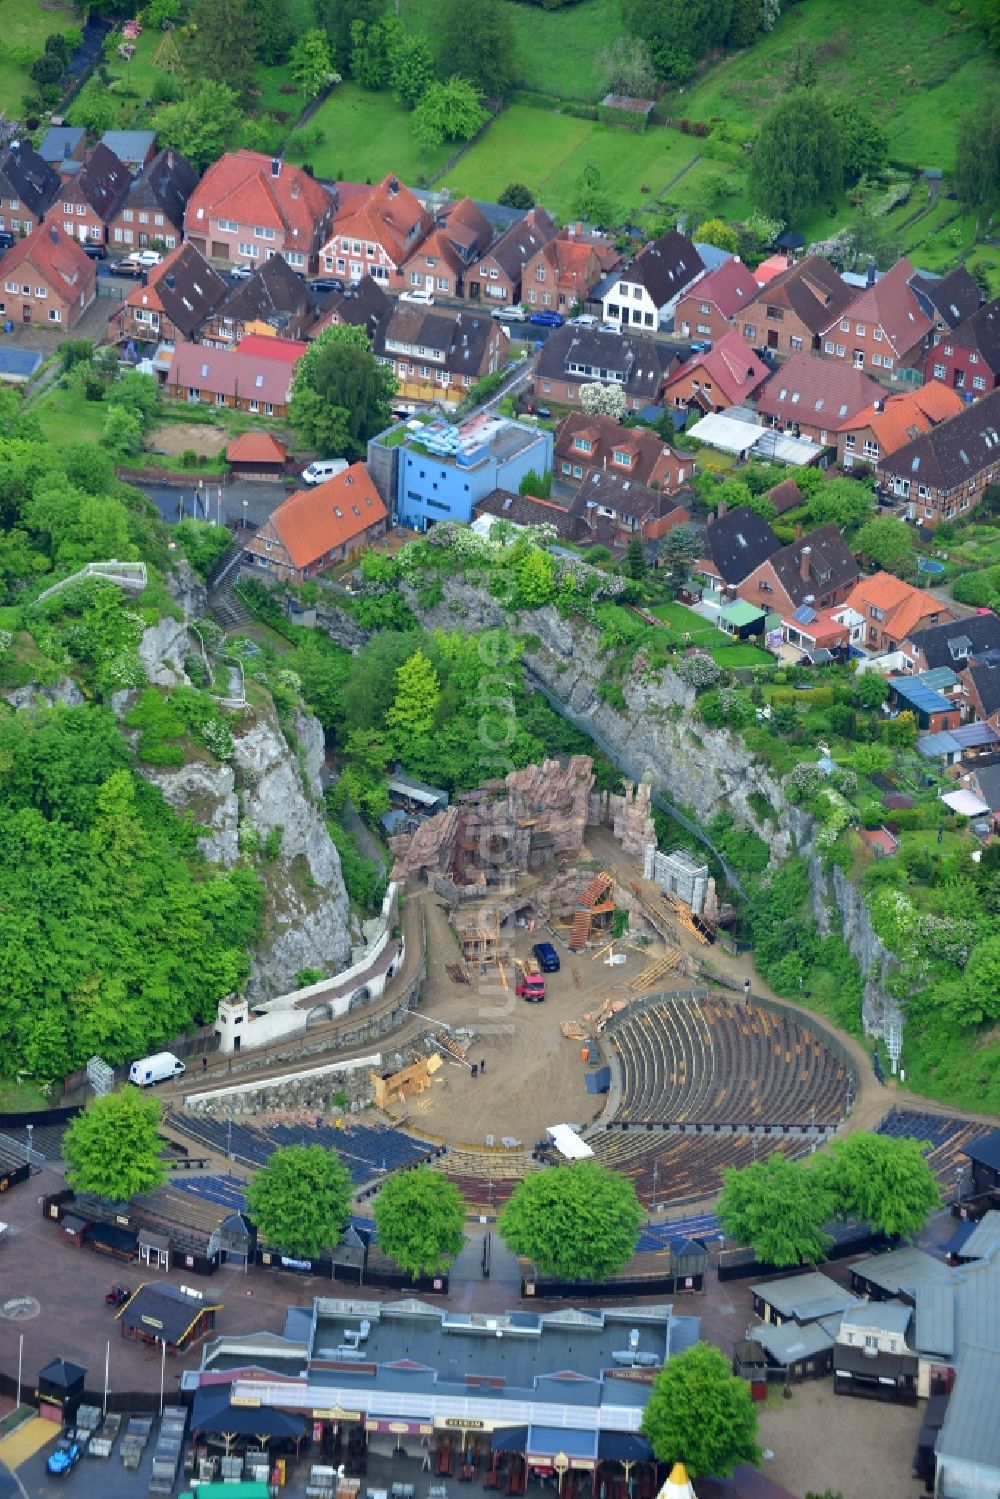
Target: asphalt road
{"type": "Point", "coordinates": [178, 503]}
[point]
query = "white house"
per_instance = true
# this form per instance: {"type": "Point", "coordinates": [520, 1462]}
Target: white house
{"type": "Point", "coordinates": [644, 294]}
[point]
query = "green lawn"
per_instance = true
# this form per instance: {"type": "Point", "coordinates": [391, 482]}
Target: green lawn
{"type": "Point", "coordinates": [27, 25]}
{"type": "Point", "coordinates": [557, 50]}
{"type": "Point", "coordinates": [65, 416]}
{"type": "Point", "coordinates": [684, 620]}
{"type": "Point", "coordinates": [739, 655]}
{"type": "Point", "coordinates": [366, 136]}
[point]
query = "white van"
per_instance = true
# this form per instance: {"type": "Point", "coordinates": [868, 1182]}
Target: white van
{"type": "Point", "coordinates": [323, 469]}
{"type": "Point", "coordinates": [155, 1069]}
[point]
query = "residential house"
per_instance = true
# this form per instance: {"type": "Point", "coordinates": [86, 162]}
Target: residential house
{"type": "Point", "coordinates": [47, 279]}
{"type": "Point", "coordinates": [810, 397]}
{"type": "Point", "coordinates": [615, 509]}
{"type": "Point", "coordinates": [274, 301]}
{"type": "Point", "coordinates": [154, 207]}
{"type": "Point", "coordinates": [934, 712]}
{"type": "Point", "coordinates": [136, 148]}
{"type": "Point", "coordinates": [362, 304]}
{"type": "Point", "coordinates": [63, 148]}
{"type": "Point", "coordinates": [894, 610]}
{"type": "Point", "coordinates": [374, 233]}
{"type": "Point", "coordinates": [498, 275]}
{"type": "Point", "coordinates": [953, 642]}
{"type": "Point", "coordinates": [172, 302]}
{"type": "Point", "coordinates": [727, 374]}
{"type": "Point", "coordinates": [440, 471]}
{"type": "Point", "coordinates": [884, 329]}
{"type": "Point", "coordinates": [791, 314]}
{"type": "Point", "coordinates": [645, 293]}
{"type": "Point", "coordinates": [202, 375]}
{"type": "Point", "coordinates": [573, 357]}
{"type": "Point", "coordinates": [459, 235]}
{"type": "Point", "coordinates": [528, 510]}
{"type": "Point", "coordinates": [247, 208]}
{"type": "Point", "coordinates": [257, 455]}
{"type": "Point", "coordinates": [566, 270]}
{"type": "Point", "coordinates": [968, 359]}
{"type": "Point", "coordinates": [266, 346]}
{"type": "Point", "coordinates": [316, 528]}
{"type": "Point", "coordinates": [27, 187]}
{"type": "Point", "coordinates": [709, 308]}
{"type": "Point", "coordinates": [589, 444]}
{"type": "Point", "coordinates": [871, 1355]}
{"type": "Point", "coordinates": [984, 781]}
{"type": "Point", "coordinates": [943, 472]}
{"type": "Point", "coordinates": [981, 684]}
{"type": "Point", "coordinates": [947, 300]}
{"type": "Point", "coordinates": [437, 354]}
{"type": "Point", "coordinates": [737, 542]}
{"type": "Point", "coordinates": [88, 203]}
{"type": "Point", "coordinates": [810, 630]}
{"type": "Point", "coordinates": [817, 569]}
{"type": "Point", "coordinates": [883, 427]}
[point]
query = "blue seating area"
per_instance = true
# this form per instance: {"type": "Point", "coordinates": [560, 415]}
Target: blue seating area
{"type": "Point", "coordinates": [367, 1150]}
{"type": "Point", "coordinates": [914, 1124]}
{"type": "Point", "coordinates": [663, 1235]}
{"type": "Point", "coordinates": [227, 1191]}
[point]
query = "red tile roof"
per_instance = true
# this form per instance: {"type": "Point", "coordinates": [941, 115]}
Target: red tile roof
{"type": "Point", "coordinates": [904, 417]}
{"type": "Point", "coordinates": [229, 373]}
{"type": "Point", "coordinates": [817, 392]}
{"type": "Point", "coordinates": [891, 305]}
{"type": "Point", "coordinates": [56, 256]}
{"type": "Point", "coordinates": [731, 364]}
{"type": "Point", "coordinates": [771, 267]}
{"type": "Point", "coordinates": [316, 521]}
{"type": "Point", "coordinates": [241, 186]}
{"type": "Point", "coordinates": [256, 447]}
{"type": "Point", "coordinates": [902, 605]}
{"type": "Point", "coordinates": [263, 346]}
{"type": "Point", "coordinates": [729, 286]}
{"type": "Point", "coordinates": [386, 216]}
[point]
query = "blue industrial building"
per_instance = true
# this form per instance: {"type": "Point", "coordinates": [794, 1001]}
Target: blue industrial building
{"type": "Point", "coordinates": [442, 471]}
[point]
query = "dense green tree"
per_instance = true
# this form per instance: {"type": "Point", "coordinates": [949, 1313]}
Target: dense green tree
{"type": "Point", "coordinates": [977, 158]}
{"type": "Point", "coordinates": [420, 1221]}
{"type": "Point", "coordinates": [863, 141]}
{"type": "Point", "coordinates": [678, 33]}
{"type": "Point", "coordinates": [777, 1207]}
{"type": "Point", "coordinates": [576, 1222]}
{"type": "Point", "coordinates": [885, 1182]}
{"type": "Point", "coordinates": [627, 68]}
{"type": "Point", "coordinates": [223, 45]}
{"type": "Point", "coordinates": [888, 543]}
{"type": "Point", "coordinates": [341, 396]}
{"type": "Point", "coordinates": [274, 30]}
{"type": "Point", "coordinates": [538, 485]}
{"type": "Point", "coordinates": [411, 68]}
{"type": "Point", "coordinates": [679, 550]}
{"type": "Point", "coordinates": [448, 111]}
{"type": "Point", "coordinates": [203, 125]}
{"type": "Point", "coordinates": [372, 45]}
{"type": "Point", "coordinates": [797, 160]}
{"type": "Point", "coordinates": [717, 232]}
{"type": "Point", "coordinates": [112, 1149]}
{"type": "Point", "coordinates": [846, 502]}
{"type": "Point", "coordinates": [592, 201]}
{"type": "Point", "coordinates": [516, 195]}
{"type": "Point", "coordinates": [477, 42]}
{"type": "Point", "coordinates": [700, 1414]}
{"type": "Point", "coordinates": [418, 693]}
{"type": "Point", "coordinates": [311, 62]}
{"type": "Point", "coordinates": [203, 543]}
{"type": "Point", "coordinates": [300, 1202]}
{"type": "Point", "coordinates": [95, 108]}
{"type": "Point", "coordinates": [988, 17]}
{"type": "Point", "coordinates": [337, 18]}
{"type": "Point", "coordinates": [635, 559]}
{"type": "Point", "coordinates": [871, 690]}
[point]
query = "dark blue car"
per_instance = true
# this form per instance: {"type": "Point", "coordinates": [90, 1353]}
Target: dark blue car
{"type": "Point", "coordinates": [548, 958]}
{"type": "Point", "coordinates": [547, 319]}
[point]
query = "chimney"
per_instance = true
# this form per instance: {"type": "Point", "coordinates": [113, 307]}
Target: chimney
{"type": "Point", "coordinates": [804, 556]}
{"type": "Point", "coordinates": [798, 530]}
{"type": "Point", "coordinates": [870, 278]}
{"type": "Point", "coordinates": [275, 166]}
{"type": "Point", "coordinates": [66, 150]}
{"type": "Point", "coordinates": [393, 186]}
{"type": "Point", "coordinates": [722, 508]}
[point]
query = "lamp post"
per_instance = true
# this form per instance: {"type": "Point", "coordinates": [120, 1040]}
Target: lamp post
{"type": "Point", "coordinates": [20, 1360]}
{"type": "Point", "coordinates": [31, 1132]}
{"type": "Point", "coordinates": [246, 502]}
{"type": "Point", "coordinates": [656, 1177]}
{"type": "Point", "coordinates": [163, 1370]}
{"type": "Point", "coordinates": [960, 1174]}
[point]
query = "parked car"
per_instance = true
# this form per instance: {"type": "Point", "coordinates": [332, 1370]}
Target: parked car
{"type": "Point", "coordinates": [327, 284]}
{"type": "Point", "coordinates": [512, 314]}
{"type": "Point", "coordinates": [128, 267]}
{"type": "Point", "coordinates": [547, 318]}
{"type": "Point", "coordinates": [548, 958]}
{"type": "Point", "coordinates": [422, 297]}
{"type": "Point", "coordinates": [96, 252]}
{"type": "Point", "coordinates": [117, 1296]}
{"type": "Point", "coordinates": [702, 346]}
{"type": "Point", "coordinates": [64, 1456]}
{"type": "Point", "coordinates": [242, 272]}
{"type": "Point", "coordinates": [148, 258]}
{"type": "Point", "coordinates": [583, 320]}
{"type": "Point", "coordinates": [610, 328]}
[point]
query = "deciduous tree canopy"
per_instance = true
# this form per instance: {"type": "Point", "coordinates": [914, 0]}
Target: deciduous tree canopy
{"type": "Point", "coordinates": [112, 1148]}
{"type": "Point", "coordinates": [701, 1415]}
{"type": "Point", "coordinates": [420, 1221]}
{"type": "Point", "coordinates": [300, 1201]}
{"type": "Point", "coordinates": [576, 1222]}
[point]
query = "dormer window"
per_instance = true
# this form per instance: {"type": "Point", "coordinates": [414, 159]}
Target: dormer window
{"type": "Point", "coordinates": [583, 444]}
{"type": "Point", "coordinates": [622, 458]}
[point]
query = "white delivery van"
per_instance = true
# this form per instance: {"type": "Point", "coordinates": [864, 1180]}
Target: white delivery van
{"type": "Point", "coordinates": [323, 469]}
{"type": "Point", "coordinates": [156, 1069]}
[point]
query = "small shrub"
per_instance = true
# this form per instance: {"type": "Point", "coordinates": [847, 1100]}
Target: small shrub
{"type": "Point", "coordinates": [189, 458]}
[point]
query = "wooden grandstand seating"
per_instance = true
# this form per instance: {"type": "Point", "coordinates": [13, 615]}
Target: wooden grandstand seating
{"type": "Point", "coordinates": [688, 1167]}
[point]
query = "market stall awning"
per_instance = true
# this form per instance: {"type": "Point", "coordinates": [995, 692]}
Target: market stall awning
{"type": "Point", "coordinates": [545, 1442]}
{"type": "Point", "coordinates": [568, 1142]}
{"type": "Point", "coordinates": [623, 1447]}
{"type": "Point", "coordinates": [512, 1439]}
{"type": "Point", "coordinates": [212, 1412]}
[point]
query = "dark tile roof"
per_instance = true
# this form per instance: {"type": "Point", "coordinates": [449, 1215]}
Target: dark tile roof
{"type": "Point", "coordinates": [103, 181]}
{"type": "Point", "coordinates": [812, 289]}
{"type": "Point", "coordinates": [25, 175]}
{"type": "Point", "coordinates": [954, 451]}
{"type": "Point", "coordinates": [785, 496]}
{"type": "Point", "coordinates": [984, 675]}
{"type": "Point", "coordinates": [169, 1306]}
{"type": "Point", "coordinates": [525, 510]}
{"type": "Point", "coordinates": [830, 565]}
{"type": "Point", "coordinates": [817, 392]}
{"type": "Point", "coordinates": [274, 294]}
{"type": "Point", "coordinates": [988, 781]}
{"type": "Point", "coordinates": [189, 288]}
{"type": "Point", "coordinates": [954, 643]}
{"type": "Point", "coordinates": [164, 184]}
{"type": "Point", "coordinates": [953, 297]}
{"type": "Point", "coordinates": [664, 267]}
{"type": "Point", "coordinates": [363, 304]}
{"type": "Point", "coordinates": [622, 495]}
{"type": "Point", "coordinates": [462, 337]}
{"type": "Point", "coordinates": [738, 542]}
{"type": "Point", "coordinates": [607, 435]}
{"type": "Point", "coordinates": [985, 1150]}
{"type": "Point", "coordinates": [521, 241]}
{"type": "Point", "coordinates": [981, 333]}
{"type": "Point", "coordinates": [639, 365]}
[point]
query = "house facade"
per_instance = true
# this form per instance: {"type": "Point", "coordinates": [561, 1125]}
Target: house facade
{"type": "Point", "coordinates": [497, 277]}
{"type": "Point", "coordinates": [437, 354]}
{"type": "Point", "coordinates": [206, 376]}
{"type": "Point", "coordinates": [942, 473]}
{"type": "Point", "coordinates": [709, 308]}
{"type": "Point", "coordinates": [155, 205]}
{"type": "Point", "coordinates": [27, 187]}
{"type": "Point", "coordinates": [587, 445]}
{"type": "Point", "coordinates": [791, 314]}
{"type": "Point", "coordinates": [981, 686]}
{"type": "Point", "coordinates": [374, 234]}
{"type": "Point", "coordinates": [615, 509]}
{"type": "Point", "coordinates": [46, 279]}
{"type": "Point", "coordinates": [947, 300]}
{"type": "Point", "coordinates": [180, 294]}
{"type": "Point", "coordinates": [884, 330]}
{"type": "Point", "coordinates": [248, 207]}
{"type": "Point", "coordinates": [566, 270]}
{"type": "Point", "coordinates": [953, 643]}
{"type": "Point", "coordinates": [460, 234]}
{"type": "Point", "coordinates": [809, 398]}
{"type": "Point", "coordinates": [872, 1358]}
{"type": "Point", "coordinates": [817, 570]}
{"type": "Point", "coordinates": [88, 203]}
{"type": "Point", "coordinates": [315, 529]}
{"type": "Point", "coordinates": [893, 611]}
{"type": "Point", "coordinates": [725, 375]}
{"type": "Point", "coordinates": [574, 357]}
{"type": "Point", "coordinates": [645, 293]}
{"type": "Point", "coordinates": [968, 357]}
{"type": "Point", "coordinates": [882, 428]}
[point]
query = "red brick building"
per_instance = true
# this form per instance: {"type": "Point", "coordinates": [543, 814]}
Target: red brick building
{"type": "Point", "coordinates": [317, 528]}
{"type": "Point", "coordinates": [817, 569]}
{"type": "Point", "coordinates": [180, 294]}
{"type": "Point", "coordinates": [791, 314]}
{"type": "Point", "coordinates": [567, 269]}
{"type": "Point", "coordinates": [968, 357]}
{"type": "Point", "coordinates": [497, 277]}
{"type": "Point", "coordinates": [942, 473]}
{"type": "Point", "coordinates": [249, 207]}
{"type": "Point", "coordinates": [46, 279]}
{"type": "Point", "coordinates": [725, 375]}
{"type": "Point", "coordinates": [880, 429]}
{"type": "Point", "coordinates": [89, 202]}
{"type": "Point", "coordinates": [809, 397]}
{"type": "Point", "coordinates": [892, 610]}
{"type": "Point", "coordinates": [884, 328]}
{"type": "Point", "coordinates": [375, 233]}
{"type": "Point", "coordinates": [587, 445]}
{"type": "Point", "coordinates": [709, 309]}
{"type": "Point", "coordinates": [459, 235]}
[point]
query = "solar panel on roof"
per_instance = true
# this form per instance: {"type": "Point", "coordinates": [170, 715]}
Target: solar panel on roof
{"type": "Point", "coordinates": [804, 615]}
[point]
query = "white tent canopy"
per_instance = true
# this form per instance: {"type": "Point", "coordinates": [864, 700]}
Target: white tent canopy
{"type": "Point", "coordinates": [568, 1142]}
{"type": "Point", "coordinates": [966, 804]}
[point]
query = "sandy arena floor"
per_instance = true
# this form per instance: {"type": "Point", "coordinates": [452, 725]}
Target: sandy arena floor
{"type": "Point", "coordinates": [858, 1448]}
